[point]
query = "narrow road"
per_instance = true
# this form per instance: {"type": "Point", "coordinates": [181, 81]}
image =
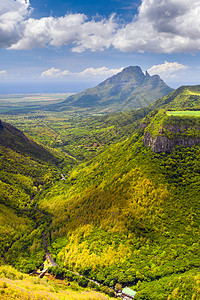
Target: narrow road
{"type": "Point", "coordinates": [52, 262]}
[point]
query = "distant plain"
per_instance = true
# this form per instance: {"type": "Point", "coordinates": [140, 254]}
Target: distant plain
{"type": "Point", "coordinates": [10, 102]}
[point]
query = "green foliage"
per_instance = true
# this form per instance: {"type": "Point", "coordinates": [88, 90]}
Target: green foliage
{"type": "Point", "coordinates": [124, 215]}
{"type": "Point", "coordinates": [172, 125]}
{"type": "Point", "coordinates": [15, 285]}
{"type": "Point", "coordinates": [22, 177]}
{"type": "Point", "coordinates": [146, 210]}
{"type": "Point", "coordinates": [79, 137]}
{"type": "Point", "coordinates": [180, 286]}
{"type": "Point", "coordinates": [183, 98]}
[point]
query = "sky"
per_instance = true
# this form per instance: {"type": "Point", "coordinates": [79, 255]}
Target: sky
{"type": "Point", "coordinates": [67, 46]}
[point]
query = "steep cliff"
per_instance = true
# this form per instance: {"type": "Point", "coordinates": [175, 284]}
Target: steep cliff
{"type": "Point", "coordinates": [164, 132]}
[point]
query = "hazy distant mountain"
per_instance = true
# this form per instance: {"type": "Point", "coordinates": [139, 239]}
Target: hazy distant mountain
{"type": "Point", "coordinates": [129, 89]}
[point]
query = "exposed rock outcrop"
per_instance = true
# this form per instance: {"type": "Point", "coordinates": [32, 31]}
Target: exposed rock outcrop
{"type": "Point", "coordinates": [165, 144]}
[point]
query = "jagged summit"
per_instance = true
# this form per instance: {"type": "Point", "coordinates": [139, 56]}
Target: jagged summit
{"type": "Point", "coordinates": [132, 69]}
{"type": "Point", "coordinates": [128, 89]}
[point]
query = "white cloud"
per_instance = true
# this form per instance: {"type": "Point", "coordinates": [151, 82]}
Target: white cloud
{"type": "Point", "coordinates": [168, 69]}
{"type": "Point", "coordinates": [54, 31]}
{"type": "Point", "coordinates": [51, 72]}
{"type": "Point", "coordinates": [89, 72]}
{"type": "Point", "coordinates": [54, 73]}
{"type": "Point", "coordinates": [161, 26]}
{"type": "Point", "coordinates": [71, 29]}
{"type": "Point", "coordinates": [99, 72]}
{"type": "Point", "coordinates": [12, 16]}
{"type": "Point", "coordinates": [3, 72]}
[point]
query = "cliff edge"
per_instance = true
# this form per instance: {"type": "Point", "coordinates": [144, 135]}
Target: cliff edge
{"type": "Point", "coordinates": [165, 132]}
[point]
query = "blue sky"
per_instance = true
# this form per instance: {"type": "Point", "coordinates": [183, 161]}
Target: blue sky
{"type": "Point", "coordinates": [67, 46]}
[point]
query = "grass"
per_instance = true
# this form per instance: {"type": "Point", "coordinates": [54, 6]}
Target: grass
{"type": "Point", "coordinates": [193, 113]}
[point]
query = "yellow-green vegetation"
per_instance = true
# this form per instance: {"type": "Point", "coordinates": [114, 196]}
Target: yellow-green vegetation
{"type": "Point", "coordinates": [12, 227]}
{"type": "Point", "coordinates": [180, 286]}
{"type": "Point", "coordinates": [77, 137]}
{"type": "Point", "coordinates": [173, 124]}
{"type": "Point", "coordinates": [24, 173]}
{"type": "Point", "coordinates": [128, 216]}
{"type": "Point", "coordinates": [193, 113]}
{"type": "Point", "coordinates": [123, 215]}
{"type": "Point", "coordinates": [15, 285]}
{"type": "Point", "coordinates": [183, 98]}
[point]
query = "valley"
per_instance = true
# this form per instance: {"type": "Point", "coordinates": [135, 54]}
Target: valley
{"type": "Point", "coordinates": [124, 215]}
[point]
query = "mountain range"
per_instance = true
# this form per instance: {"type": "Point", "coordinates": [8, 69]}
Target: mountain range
{"type": "Point", "coordinates": [129, 89]}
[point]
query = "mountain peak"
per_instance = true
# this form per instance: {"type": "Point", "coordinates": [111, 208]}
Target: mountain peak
{"type": "Point", "coordinates": [132, 69]}
{"type": "Point", "coordinates": [128, 89]}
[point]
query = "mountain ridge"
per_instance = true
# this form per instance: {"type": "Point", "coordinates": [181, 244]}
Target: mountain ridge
{"type": "Point", "coordinates": [16, 140]}
{"type": "Point", "coordinates": [129, 89]}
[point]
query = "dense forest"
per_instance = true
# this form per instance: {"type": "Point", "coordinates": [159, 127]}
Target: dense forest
{"type": "Point", "coordinates": [124, 215]}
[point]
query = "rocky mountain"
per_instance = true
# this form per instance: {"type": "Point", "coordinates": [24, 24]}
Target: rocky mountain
{"type": "Point", "coordinates": [129, 89]}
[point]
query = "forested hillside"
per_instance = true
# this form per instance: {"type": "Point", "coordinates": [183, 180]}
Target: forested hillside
{"type": "Point", "coordinates": [124, 214]}
{"type": "Point", "coordinates": [26, 168]}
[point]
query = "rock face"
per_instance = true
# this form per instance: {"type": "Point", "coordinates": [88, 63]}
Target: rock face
{"type": "Point", "coordinates": [163, 143]}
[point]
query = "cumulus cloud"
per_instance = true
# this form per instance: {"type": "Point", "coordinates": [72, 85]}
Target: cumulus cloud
{"type": "Point", "coordinates": [161, 26]}
{"type": "Point", "coordinates": [52, 73]}
{"type": "Point", "coordinates": [99, 72]}
{"type": "Point", "coordinates": [3, 73]}
{"type": "Point", "coordinates": [71, 29]}
{"type": "Point", "coordinates": [12, 16]}
{"type": "Point", "coordinates": [89, 72]}
{"type": "Point", "coordinates": [168, 69]}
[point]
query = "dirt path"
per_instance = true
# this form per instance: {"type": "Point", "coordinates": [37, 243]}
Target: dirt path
{"type": "Point", "coordinates": [48, 256]}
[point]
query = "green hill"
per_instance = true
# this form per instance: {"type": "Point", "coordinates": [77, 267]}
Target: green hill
{"type": "Point", "coordinates": [12, 138]}
{"type": "Point", "coordinates": [26, 168]}
{"type": "Point", "coordinates": [183, 98]}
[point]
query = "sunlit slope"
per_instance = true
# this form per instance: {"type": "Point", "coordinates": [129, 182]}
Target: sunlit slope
{"type": "Point", "coordinates": [183, 98]}
{"type": "Point", "coordinates": [129, 214]}
{"type": "Point", "coordinates": [12, 138]}
{"type": "Point", "coordinates": [15, 285]}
